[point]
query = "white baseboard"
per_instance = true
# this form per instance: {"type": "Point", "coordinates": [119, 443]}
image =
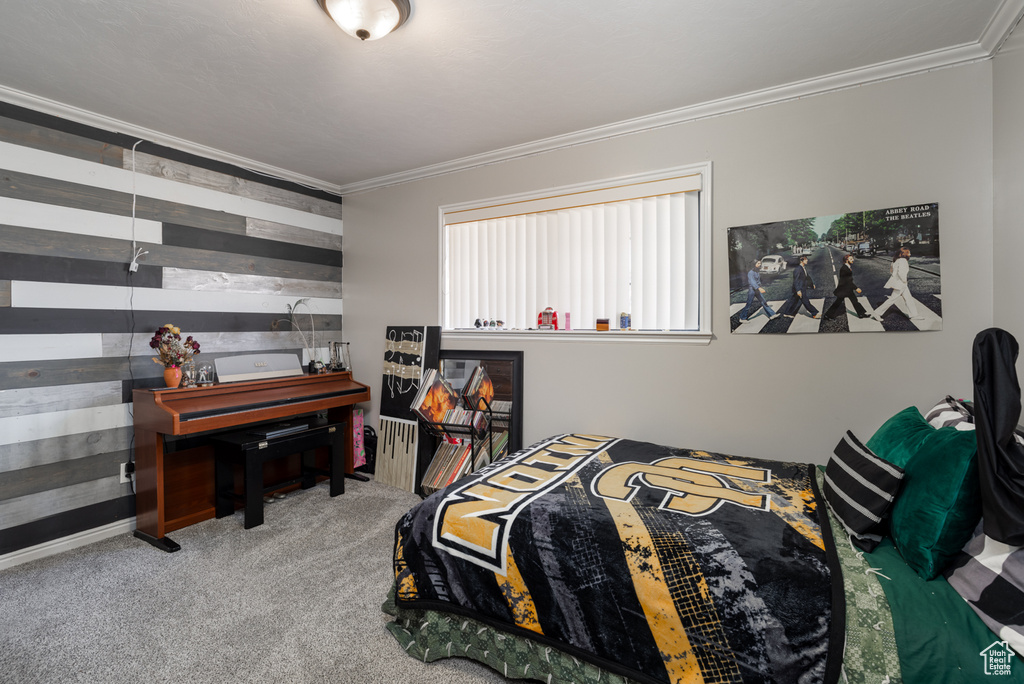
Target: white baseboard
{"type": "Point", "coordinates": [73, 541]}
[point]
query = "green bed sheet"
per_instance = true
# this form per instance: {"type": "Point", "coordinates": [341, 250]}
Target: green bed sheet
{"type": "Point", "coordinates": [940, 637]}
{"type": "Point", "coordinates": [918, 632]}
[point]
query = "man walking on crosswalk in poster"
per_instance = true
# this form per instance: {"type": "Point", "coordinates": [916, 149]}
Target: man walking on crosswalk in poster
{"type": "Point", "coordinates": [802, 286]}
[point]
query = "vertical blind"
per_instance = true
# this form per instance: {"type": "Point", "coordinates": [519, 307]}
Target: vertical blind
{"type": "Point", "coordinates": [592, 254]}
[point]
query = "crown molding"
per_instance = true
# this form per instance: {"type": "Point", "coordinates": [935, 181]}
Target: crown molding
{"type": "Point", "coordinates": [931, 61]}
{"type": "Point", "coordinates": [1006, 18]}
{"type": "Point", "coordinates": [85, 117]}
{"type": "Point", "coordinates": [1013, 43]}
{"type": "Point", "coordinates": [996, 33]}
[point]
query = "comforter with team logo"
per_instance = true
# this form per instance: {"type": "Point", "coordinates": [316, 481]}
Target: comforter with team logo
{"type": "Point", "coordinates": [654, 563]}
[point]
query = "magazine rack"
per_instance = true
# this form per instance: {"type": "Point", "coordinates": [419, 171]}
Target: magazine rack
{"type": "Point", "coordinates": [479, 437]}
{"type": "Point", "coordinates": [454, 431]}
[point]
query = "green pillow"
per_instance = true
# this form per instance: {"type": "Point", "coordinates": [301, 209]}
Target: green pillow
{"type": "Point", "coordinates": [940, 503]}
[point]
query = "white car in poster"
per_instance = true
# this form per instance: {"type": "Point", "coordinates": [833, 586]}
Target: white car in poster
{"type": "Point", "coordinates": [773, 263]}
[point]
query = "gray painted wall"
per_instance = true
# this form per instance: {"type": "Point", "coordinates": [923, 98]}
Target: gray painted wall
{"type": "Point", "coordinates": [1008, 136]}
{"type": "Point", "coordinates": [926, 138]}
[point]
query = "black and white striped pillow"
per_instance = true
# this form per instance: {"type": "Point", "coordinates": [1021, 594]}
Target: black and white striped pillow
{"type": "Point", "coordinates": [860, 488]}
{"type": "Point", "coordinates": [950, 413]}
{"type": "Point", "coordinates": [959, 414]}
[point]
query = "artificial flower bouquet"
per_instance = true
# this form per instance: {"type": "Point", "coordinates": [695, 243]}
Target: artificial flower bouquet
{"type": "Point", "coordinates": [172, 350]}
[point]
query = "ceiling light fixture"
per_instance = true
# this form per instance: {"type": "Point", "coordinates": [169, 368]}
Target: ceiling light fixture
{"type": "Point", "coordinates": [367, 19]}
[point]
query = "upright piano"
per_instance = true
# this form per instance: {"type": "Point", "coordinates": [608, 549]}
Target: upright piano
{"type": "Point", "coordinates": [174, 490]}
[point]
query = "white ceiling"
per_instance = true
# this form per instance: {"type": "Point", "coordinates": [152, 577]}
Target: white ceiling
{"type": "Point", "coordinates": [275, 86]}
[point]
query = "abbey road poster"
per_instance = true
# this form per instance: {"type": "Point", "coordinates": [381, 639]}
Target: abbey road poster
{"type": "Point", "coordinates": [867, 271]}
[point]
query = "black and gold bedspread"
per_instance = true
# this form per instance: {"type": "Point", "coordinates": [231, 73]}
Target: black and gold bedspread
{"type": "Point", "coordinates": [660, 564]}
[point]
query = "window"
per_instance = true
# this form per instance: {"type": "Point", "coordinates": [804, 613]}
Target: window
{"type": "Point", "coordinates": [637, 245]}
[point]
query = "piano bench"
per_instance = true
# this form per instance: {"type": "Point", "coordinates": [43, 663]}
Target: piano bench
{"type": "Point", "coordinates": [253, 450]}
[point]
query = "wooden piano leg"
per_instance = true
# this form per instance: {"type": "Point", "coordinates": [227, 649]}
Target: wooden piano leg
{"type": "Point", "coordinates": [149, 494]}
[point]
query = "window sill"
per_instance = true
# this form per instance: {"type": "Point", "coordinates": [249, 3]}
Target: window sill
{"type": "Point", "coordinates": [616, 336]}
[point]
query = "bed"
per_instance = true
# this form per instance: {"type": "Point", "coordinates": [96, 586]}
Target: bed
{"type": "Point", "coordinates": [586, 558]}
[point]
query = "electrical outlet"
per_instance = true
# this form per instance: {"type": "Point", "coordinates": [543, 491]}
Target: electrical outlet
{"type": "Point", "coordinates": [125, 476]}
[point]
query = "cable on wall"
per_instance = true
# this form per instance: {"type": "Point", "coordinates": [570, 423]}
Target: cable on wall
{"type": "Point", "coordinates": [136, 251]}
{"type": "Point", "coordinates": [133, 266]}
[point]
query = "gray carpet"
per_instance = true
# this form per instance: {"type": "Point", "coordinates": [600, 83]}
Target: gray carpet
{"type": "Point", "coordinates": [294, 600]}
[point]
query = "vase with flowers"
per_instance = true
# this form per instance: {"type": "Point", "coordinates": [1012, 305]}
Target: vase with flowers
{"type": "Point", "coordinates": [173, 352]}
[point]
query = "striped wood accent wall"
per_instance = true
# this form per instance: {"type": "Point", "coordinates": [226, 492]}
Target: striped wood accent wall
{"type": "Point", "coordinates": [226, 257]}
